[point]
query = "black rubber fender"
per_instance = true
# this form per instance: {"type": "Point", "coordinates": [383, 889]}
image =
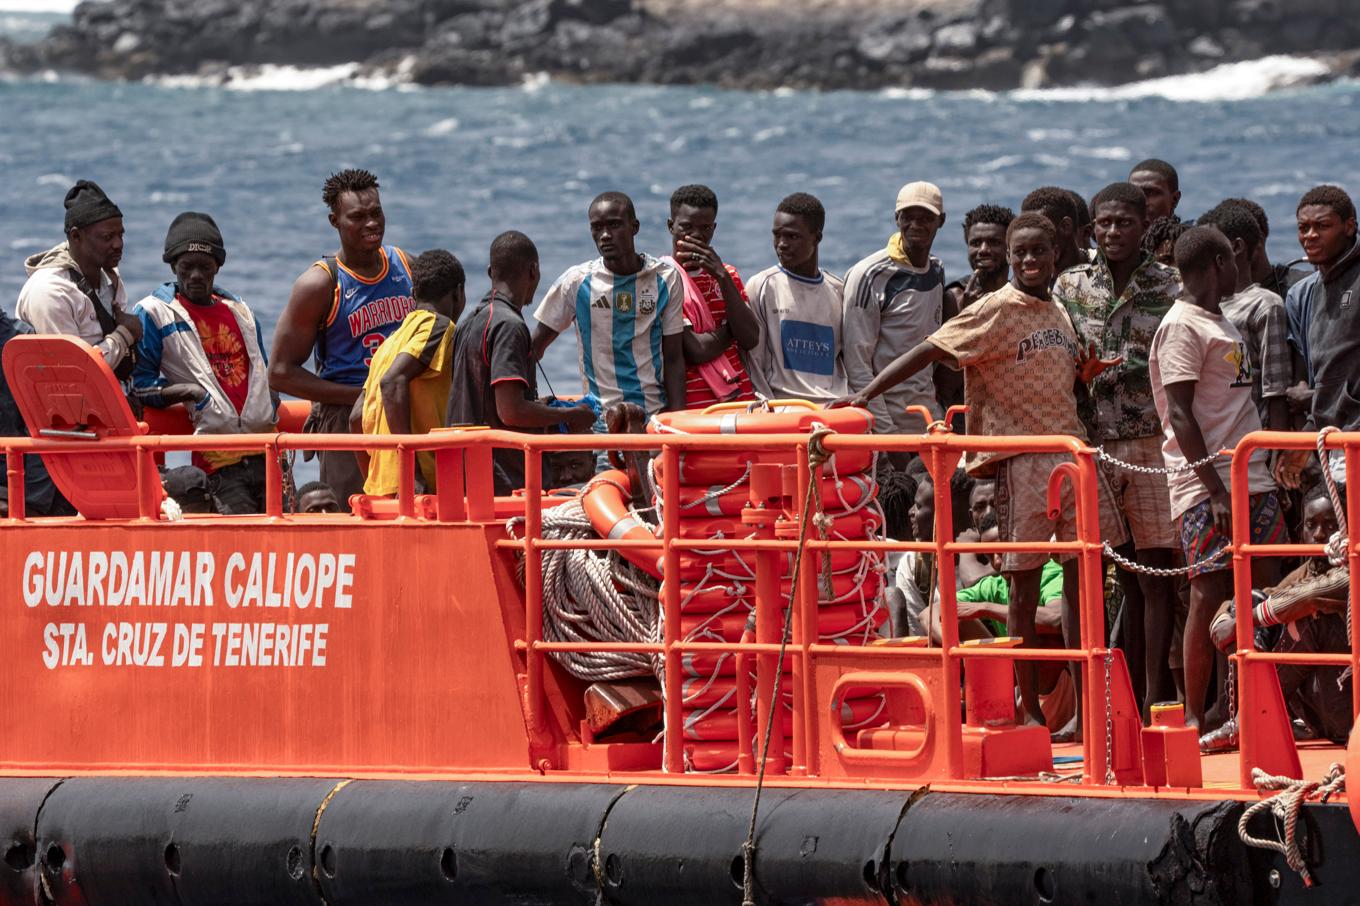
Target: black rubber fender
{"type": "Point", "coordinates": [182, 841]}
{"type": "Point", "coordinates": [20, 801]}
{"type": "Point", "coordinates": [1008, 850]}
{"type": "Point", "coordinates": [683, 846]}
{"type": "Point", "coordinates": [492, 844]}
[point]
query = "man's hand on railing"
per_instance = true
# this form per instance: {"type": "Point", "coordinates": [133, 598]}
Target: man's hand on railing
{"type": "Point", "coordinates": [853, 400]}
{"type": "Point", "coordinates": [1289, 468]}
{"type": "Point", "coordinates": [579, 419]}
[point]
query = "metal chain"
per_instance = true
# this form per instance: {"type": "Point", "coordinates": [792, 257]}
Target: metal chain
{"type": "Point", "coordinates": [1154, 470]}
{"type": "Point", "coordinates": [1158, 571]}
{"type": "Point", "coordinates": [1109, 720]}
{"type": "Point", "coordinates": [1232, 689]}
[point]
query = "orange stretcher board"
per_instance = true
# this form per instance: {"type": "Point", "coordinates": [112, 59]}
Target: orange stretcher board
{"type": "Point", "coordinates": [67, 391]}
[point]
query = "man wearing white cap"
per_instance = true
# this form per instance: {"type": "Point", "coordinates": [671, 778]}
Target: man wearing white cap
{"type": "Point", "coordinates": [893, 301]}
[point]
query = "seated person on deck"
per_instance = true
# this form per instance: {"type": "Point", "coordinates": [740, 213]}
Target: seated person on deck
{"type": "Point", "coordinates": [1303, 614]}
{"type": "Point", "coordinates": [985, 603]}
{"type": "Point", "coordinates": [317, 497]}
{"type": "Point", "coordinates": [408, 380]}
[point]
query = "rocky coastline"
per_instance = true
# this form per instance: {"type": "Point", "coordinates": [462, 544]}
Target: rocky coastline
{"type": "Point", "coordinates": [832, 44]}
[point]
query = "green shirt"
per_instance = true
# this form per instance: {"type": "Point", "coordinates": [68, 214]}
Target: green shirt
{"type": "Point", "coordinates": [996, 590]}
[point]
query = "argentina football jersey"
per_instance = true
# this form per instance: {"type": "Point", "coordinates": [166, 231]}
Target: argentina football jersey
{"type": "Point", "coordinates": [621, 320]}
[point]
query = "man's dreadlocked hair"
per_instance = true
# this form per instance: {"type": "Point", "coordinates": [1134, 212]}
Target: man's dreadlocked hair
{"type": "Point", "coordinates": [1163, 229]}
{"type": "Point", "coordinates": [344, 181]}
{"type": "Point", "coordinates": [896, 491]}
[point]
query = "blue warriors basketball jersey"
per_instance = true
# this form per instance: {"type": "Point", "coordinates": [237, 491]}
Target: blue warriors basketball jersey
{"type": "Point", "coordinates": [364, 311]}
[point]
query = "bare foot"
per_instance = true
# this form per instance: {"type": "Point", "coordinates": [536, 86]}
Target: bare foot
{"type": "Point", "coordinates": [1069, 733]}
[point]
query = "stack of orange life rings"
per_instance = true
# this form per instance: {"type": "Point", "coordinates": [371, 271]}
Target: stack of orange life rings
{"type": "Point", "coordinates": [718, 587]}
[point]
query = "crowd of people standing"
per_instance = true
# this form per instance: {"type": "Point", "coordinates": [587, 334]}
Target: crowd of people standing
{"type": "Point", "coordinates": [1114, 320]}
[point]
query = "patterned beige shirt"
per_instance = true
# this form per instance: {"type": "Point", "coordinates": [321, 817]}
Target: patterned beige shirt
{"type": "Point", "coordinates": [1018, 355]}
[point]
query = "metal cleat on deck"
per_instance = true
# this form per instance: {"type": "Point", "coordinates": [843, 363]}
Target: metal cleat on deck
{"type": "Point", "coordinates": [1171, 749]}
{"type": "Point", "coordinates": [994, 745]}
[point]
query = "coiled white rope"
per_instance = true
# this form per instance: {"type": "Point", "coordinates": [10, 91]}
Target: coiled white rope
{"type": "Point", "coordinates": [595, 596]}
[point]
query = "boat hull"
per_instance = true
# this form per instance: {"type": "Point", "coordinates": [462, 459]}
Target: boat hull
{"type": "Point", "coordinates": [197, 840]}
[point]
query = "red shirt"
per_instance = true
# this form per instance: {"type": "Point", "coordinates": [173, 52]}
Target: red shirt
{"type": "Point", "coordinates": [226, 348]}
{"type": "Point", "coordinates": [697, 392]}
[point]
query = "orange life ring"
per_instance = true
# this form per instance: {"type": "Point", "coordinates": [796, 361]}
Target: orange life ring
{"type": "Point", "coordinates": [705, 692]}
{"type": "Point", "coordinates": [833, 623]}
{"type": "Point", "coordinates": [696, 502]}
{"type": "Point", "coordinates": [716, 595]}
{"type": "Point", "coordinates": [705, 665]}
{"type": "Point", "coordinates": [695, 565]}
{"type": "Point", "coordinates": [605, 502]}
{"type": "Point", "coordinates": [716, 756]}
{"type": "Point", "coordinates": [856, 526]}
{"type": "Point", "coordinates": [724, 467]}
{"type": "Point", "coordinates": [782, 417]}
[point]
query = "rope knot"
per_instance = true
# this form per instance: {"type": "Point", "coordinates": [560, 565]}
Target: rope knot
{"type": "Point", "coordinates": [817, 452]}
{"type": "Point", "coordinates": [1286, 805]}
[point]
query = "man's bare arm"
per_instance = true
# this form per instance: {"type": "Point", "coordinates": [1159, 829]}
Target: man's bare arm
{"type": "Point", "coordinates": [295, 337]}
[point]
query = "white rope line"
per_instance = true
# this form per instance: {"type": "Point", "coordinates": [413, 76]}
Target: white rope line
{"type": "Point", "coordinates": [1285, 806]}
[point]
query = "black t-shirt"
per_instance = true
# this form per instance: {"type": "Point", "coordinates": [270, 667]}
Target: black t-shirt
{"type": "Point", "coordinates": [491, 347]}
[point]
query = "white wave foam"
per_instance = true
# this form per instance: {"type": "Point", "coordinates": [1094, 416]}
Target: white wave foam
{"type": "Point", "coordinates": [1228, 82]}
{"type": "Point", "coordinates": [272, 77]}
{"type": "Point", "coordinates": [443, 127]}
{"type": "Point", "coordinates": [907, 94]}
{"type": "Point", "coordinates": [1112, 152]}
{"type": "Point", "coordinates": [38, 6]}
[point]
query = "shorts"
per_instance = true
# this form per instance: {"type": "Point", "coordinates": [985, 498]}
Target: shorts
{"type": "Point", "coordinates": [339, 468]}
{"type": "Point", "coordinates": [238, 489]}
{"type": "Point", "coordinates": [1142, 498]}
{"type": "Point", "coordinates": [1022, 508]}
{"type": "Point", "coordinates": [1201, 539]}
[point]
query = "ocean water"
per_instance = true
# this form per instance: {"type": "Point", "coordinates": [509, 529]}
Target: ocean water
{"type": "Point", "coordinates": [459, 165]}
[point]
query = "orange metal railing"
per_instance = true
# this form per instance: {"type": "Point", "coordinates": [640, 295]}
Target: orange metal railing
{"type": "Point", "coordinates": [1258, 745]}
{"type": "Point", "coordinates": [464, 494]}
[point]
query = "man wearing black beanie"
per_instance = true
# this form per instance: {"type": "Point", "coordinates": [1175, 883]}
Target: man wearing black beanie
{"type": "Point", "coordinates": [201, 346]}
{"type": "Point", "coordinates": [74, 289]}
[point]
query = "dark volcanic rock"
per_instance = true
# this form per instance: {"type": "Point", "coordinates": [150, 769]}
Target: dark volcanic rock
{"type": "Point", "coordinates": [994, 44]}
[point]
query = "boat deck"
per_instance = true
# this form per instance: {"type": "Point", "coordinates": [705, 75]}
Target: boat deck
{"type": "Point", "coordinates": [1221, 768]}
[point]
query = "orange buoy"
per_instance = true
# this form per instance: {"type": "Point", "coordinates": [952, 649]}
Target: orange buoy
{"type": "Point", "coordinates": [726, 564]}
{"type": "Point", "coordinates": [606, 504]}
{"type": "Point", "coordinates": [850, 491]}
{"type": "Point", "coordinates": [718, 594]}
{"type": "Point", "coordinates": [833, 622]}
{"type": "Point", "coordinates": [774, 417]}
{"type": "Point", "coordinates": [720, 467]}
{"type": "Point", "coordinates": [854, 526]}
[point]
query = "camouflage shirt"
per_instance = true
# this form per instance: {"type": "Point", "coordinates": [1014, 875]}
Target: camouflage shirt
{"type": "Point", "coordinates": [1121, 397]}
